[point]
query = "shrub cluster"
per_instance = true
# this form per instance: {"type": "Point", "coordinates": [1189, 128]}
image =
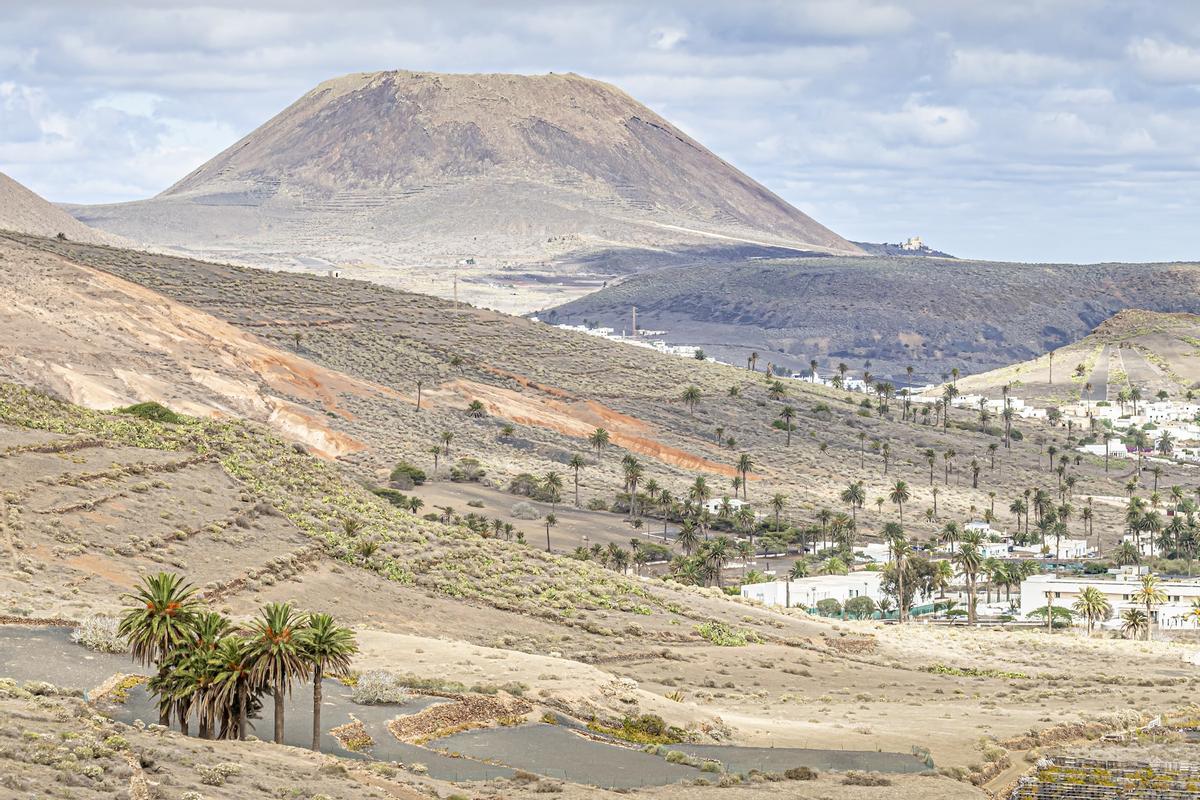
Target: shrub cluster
{"type": "Point", "coordinates": [378, 686]}
{"type": "Point", "coordinates": [100, 634]}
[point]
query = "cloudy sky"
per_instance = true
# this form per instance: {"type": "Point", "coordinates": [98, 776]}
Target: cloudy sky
{"type": "Point", "coordinates": [1033, 130]}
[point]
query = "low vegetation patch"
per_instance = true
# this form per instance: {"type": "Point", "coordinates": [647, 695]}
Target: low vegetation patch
{"type": "Point", "coordinates": [644, 729]}
{"type": "Point", "coordinates": [406, 476]}
{"type": "Point", "coordinates": [100, 634]}
{"type": "Point", "coordinates": [725, 635]}
{"type": "Point", "coordinates": [378, 686]}
{"type": "Point", "coordinates": [155, 412]}
{"type": "Point", "coordinates": [974, 672]}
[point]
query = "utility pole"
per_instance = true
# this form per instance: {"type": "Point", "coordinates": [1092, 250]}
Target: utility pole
{"type": "Point", "coordinates": [634, 315]}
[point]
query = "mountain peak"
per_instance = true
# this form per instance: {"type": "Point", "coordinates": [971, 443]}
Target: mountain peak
{"type": "Point", "coordinates": [404, 168]}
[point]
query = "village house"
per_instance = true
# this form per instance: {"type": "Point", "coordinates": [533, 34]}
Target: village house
{"type": "Point", "coordinates": [807, 592]}
{"type": "Point", "coordinates": [1119, 588]}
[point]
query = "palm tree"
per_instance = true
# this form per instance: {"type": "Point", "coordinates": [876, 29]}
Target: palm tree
{"type": "Point", "coordinates": [715, 555]}
{"type": "Point", "coordinates": [969, 561]}
{"type": "Point", "coordinates": [787, 415]}
{"type": "Point", "coordinates": [446, 438]}
{"type": "Point", "coordinates": [931, 460]}
{"type": "Point", "coordinates": [777, 503]}
{"type": "Point", "coordinates": [436, 452]}
{"type": "Point", "coordinates": [745, 521]}
{"type": "Point", "coordinates": [899, 495]}
{"type": "Point", "coordinates": [687, 536]}
{"type": "Point", "coordinates": [1149, 594]}
{"type": "Point", "coordinates": [1134, 623]}
{"type": "Point", "coordinates": [551, 521]}
{"type": "Point", "coordinates": [744, 465]}
{"type": "Point", "coordinates": [277, 653]}
{"type": "Point", "coordinates": [691, 397]}
{"type": "Point", "coordinates": [1126, 554]}
{"type": "Point", "coordinates": [552, 485]}
{"type": "Point", "coordinates": [950, 535]}
{"type": "Point", "coordinates": [633, 472]}
{"type": "Point", "coordinates": [576, 463]}
{"type": "Point", "coordinates": [327, 647]}
{"type": "Point", "coordinates": [854, 495]}
{"type": "Point", "coordinates": [200, 667]}
{"type": "Point", "coordinates": [160, 620]}
{"type": "Point", "coordinates": [1093, 606]}
{"type": "Point", "coordinates": [234, 683]}
{"type": "Point", "coordinates": [598, 440]}
{"type": "Point", "coordinates": [900, 549]}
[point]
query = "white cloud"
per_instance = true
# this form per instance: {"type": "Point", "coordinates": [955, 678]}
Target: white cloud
{"type": "Point", "coordinates": [1165, 61]}
{"type": "Point", "coordinates": [667, 38]}
{"type": "Point", "coordinates": [987, 66]}
{"type": "Point", "coordinates": [852, 18]}
{"type": "Point", "coordinates": [932, 125]}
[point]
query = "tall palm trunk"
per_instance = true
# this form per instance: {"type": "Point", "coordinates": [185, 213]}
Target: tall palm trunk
{"type": "Point", "coordinates": [971, 599]}
{"type": "Point", "coordinates": [243, 709]}
{"type": "Point", "coordinates": [316, 739]}
{"type": "Point", "coordinates": [279, 712]}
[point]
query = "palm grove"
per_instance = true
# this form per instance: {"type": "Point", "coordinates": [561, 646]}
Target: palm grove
{"type": "Point", "coordinates": [1042, 514]}
{"type": "Point", "coordinates": [210, 669]}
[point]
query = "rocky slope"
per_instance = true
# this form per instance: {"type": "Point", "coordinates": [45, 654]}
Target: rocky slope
{"type": "Point", "coordinates": [94, 339]}
{"type": "Point", "coordinates": [934, 314]}
{"type": "Point", "coordinates": [407, 169]}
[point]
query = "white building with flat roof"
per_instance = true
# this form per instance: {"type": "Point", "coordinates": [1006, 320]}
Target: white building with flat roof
{"type": "Point", "coordinates": [714, 505]}
{"type": "Point", "coordinates": [807, 592]}
{"type": "Point", "coordinates": [1119, 590]}
{"type": "Point", "coordinates": [1073, 549]}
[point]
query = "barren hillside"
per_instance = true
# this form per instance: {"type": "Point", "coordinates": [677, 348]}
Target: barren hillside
{"type": "Point", "coordinates": [95, 339]}
{"type": "Point", "coordinates": [929, 313]}
{"type": "Point", "coordinates": [25, 212]}
{"type": "Point", "coordinates": [553, 388]}
{"type": "Point", "coordinates": [1149, 350]}
{"type": "Point", "coordinates": [403, 169]}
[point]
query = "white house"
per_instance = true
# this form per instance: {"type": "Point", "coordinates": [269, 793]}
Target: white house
{"type": "Point", "coordinates": [1116, 449]}
{"type": "Point", "coordinates": [1119, 589]}
{"type": "Point", "coordinates": [714, 505]}
{"type": "Point", "coordinates": [807, 592]}
{"type": "Point", "coordinates": [995, 549]}
{"type": "Point", "coordinates": [1145, 545]}
{"type": "Point", "coordinates": [1073, 549]}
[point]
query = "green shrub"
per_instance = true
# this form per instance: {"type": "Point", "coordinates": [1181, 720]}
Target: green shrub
{"type": "Point", "coordinates": [155, 412]}
{"type": "Point", "coordinates": [800, 774]}
{"type": "Point", "coordinates": [860, 607]}
{"type": "Point", "coordinates": [398, 499]}
{"type": "Point", "coordinates": [406, 476]}
{"type": "Point", "coordinates": [467, 470]}
{"type": "Point", "coordinates": [829, 607]}
{"type": "Point", "coordinates": [644, 729]}
{"type": "Point", "coordinates": [725, 635]}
